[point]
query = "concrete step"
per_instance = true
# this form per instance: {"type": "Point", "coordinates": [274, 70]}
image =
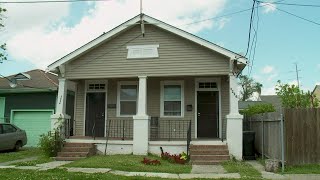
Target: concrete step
{"type": "Point", "coordinates": [76, 149]}
{"type": "Point", "coordinates": [209, 152]}
{"type": "Point", "coordinates": [208, 147]}
{"type": "Point", "coordinates": [78, 145]}
{"type": "Point", "coordinates": [199, 162]}
{"type": "Point", "coordinates": [209, 157]}
{"type": "Point", "coordinates": [68, 158]}
{"type": "Point", "coordinates": [73, 154]}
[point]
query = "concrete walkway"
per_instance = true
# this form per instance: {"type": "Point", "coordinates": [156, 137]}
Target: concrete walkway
{"type": "Point", "coordinates": [18, 161]}
{"type": "Point", "coordinates": [215, 172]}
{"type": "Point", "coordinates": [205, 169]}
{"type": "Point", "coordinates": [267, 175]}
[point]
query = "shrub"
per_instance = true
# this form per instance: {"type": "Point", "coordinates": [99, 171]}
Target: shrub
{"type": "Point", "coordinates": [175, 158]}
{"type": "Point", "coordinates": [50, 143]}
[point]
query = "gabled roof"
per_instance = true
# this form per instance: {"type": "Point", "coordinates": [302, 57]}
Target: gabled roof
{"type": "Point", "coordinates": [315, 88]}
{"type": "Point", "coordinates": [150, 20]}
{"type": "Point", "coordinates": [39, 81]}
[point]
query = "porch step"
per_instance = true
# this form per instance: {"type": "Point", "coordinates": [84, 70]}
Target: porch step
{"type": "Point", "coordinates": [208, 154]}
{"type": "Point", "coordinates": [76, 151]}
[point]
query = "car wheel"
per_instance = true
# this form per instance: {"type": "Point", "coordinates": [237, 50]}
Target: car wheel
{"type": "Point", "coordinates": [17, 146]}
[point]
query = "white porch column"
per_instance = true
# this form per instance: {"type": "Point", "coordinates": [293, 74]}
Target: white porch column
{"type": "Point", "coordinates": [60, 112]}
{"type": "Point", "coordinates": [141, 121]}
{"type": "Point", "coordinates": [234, 121]}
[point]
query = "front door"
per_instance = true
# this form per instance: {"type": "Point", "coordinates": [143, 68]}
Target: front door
{"type": "Point", "coordinates": [208, 114]}
{"type": "Point", "coordinates": [95, 114]}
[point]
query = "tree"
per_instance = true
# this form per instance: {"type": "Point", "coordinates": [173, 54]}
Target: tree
{"type": "Point", "coordinates": [3, 55]}
{"type": "Point", "coordinates": [248, 87]}
{"type": "Point", "coordinates": [293, 97]}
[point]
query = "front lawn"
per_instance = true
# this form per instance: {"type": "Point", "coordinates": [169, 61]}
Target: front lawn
{"type": "Point", "coordinates": [302, 169]}
{"type": "Point", "coordinates": [245, 170]}
{"type": "Point", "coordinates": [130, 163]}
{"type": "Point", "coordinates": [40, 160]}
{"type": "Point", "coordinates": [6, 156]}
{"type": "Point", "coordinates": [14, 174]}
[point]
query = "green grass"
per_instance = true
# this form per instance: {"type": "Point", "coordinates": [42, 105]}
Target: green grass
{"type": "Point", "coordinates": [262, 161]}
{"type": "Point", "coordinates": [245, 170]}
{"type": "Point", "coordinates": [21, 154]}
{"type": "Point", "coordinates": [14, 174]}
{"type": "Point", "coordinates": [130, 163]}
{"type": "Point", "coordinates": [40, 160]}
{"type": "Point", "coordinates": [302, 169]}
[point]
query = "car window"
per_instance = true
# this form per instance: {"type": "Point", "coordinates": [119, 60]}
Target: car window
{"type": "Point", "coordinates": [7, 128]}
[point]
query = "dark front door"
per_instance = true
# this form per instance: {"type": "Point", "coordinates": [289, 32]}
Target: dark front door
{"type": "Point", "coordinates": [95, 112]}
{"type": "Point", "coordinates": [208, 114]}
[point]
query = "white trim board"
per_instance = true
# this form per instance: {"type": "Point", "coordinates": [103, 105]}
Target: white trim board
{"type": "Point", "coordinates": [107, 36]}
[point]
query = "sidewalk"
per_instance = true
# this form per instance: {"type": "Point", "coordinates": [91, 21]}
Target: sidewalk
{"type": "Point", "coordinates": [216, 173]}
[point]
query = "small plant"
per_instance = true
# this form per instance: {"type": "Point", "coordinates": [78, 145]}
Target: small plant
{"type": "Point", "coordinates": [175, 158]}
{"type": "Point", "coordinates": [50, 143]}
{"type": "Point", "coordinates": [147, 161]}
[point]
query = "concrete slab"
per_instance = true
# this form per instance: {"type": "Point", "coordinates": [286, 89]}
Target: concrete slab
{"type": "Point", "coordinates": [210, 176]}
{"type": "Point", "coordinates": [52, 165]}
{"type": "Point", "coordinates": [19, 160]}
{"type": "Point", "coordinates": [27, 167]}
{"type": "Point", "coordinates": [7, 167]}
{"type": "Point", "coordinates": [204, 169]}
{"type": "Point", "coordinates": [89, 170]}
{"type": "Point", "coordinates": [266, 175]}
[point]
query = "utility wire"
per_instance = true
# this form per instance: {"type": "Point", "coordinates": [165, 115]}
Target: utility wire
{"type": "Point", "coordinates": [250, 26]}
{"type": "Point", "coordinates": [48, 1]}
{"type": "Point", "coordinates": [292, 4]}
{"type": "Point", "coordinates": [297, 16]}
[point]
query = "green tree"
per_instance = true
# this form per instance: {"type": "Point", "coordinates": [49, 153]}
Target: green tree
{"type": "Point", "coordinates": [3, 55]}
{"type": "Point", "coordinates": [248, 87]}
{"type": "Point", "coordinates": [293, 97]}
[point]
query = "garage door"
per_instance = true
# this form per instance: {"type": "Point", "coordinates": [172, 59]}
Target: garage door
{"type": "Point", "coordinates": [34, 123]}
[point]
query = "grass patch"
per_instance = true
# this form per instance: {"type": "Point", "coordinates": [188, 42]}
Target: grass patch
{"type": "Point", "coordinates": [245, 170]}
{"type": "Point", "coordinates": [302, 169]}
{"type": "Point", "coordinates": [130, 163]}
{"type": "Point", "coordinates": [13, 174]}
{"type": "Point", "coordinates": [6, 156]}
{"type": "Point", "coordinates": [40, 160]}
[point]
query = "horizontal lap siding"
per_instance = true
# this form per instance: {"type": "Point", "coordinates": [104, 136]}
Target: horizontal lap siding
{"type": "Point", "coordinates": [178, 56]}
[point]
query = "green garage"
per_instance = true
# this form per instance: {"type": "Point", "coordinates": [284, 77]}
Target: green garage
{"type": "Point", "coordinates": [34, 122]}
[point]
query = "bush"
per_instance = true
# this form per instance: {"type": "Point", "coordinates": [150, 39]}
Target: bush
{"type": "Point", "coordinates": [258, 109]}
{"type": "Point", "coordinates": [50, 143]}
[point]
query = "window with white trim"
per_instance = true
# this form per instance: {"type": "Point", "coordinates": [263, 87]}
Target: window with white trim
{"type": "Point", "coordinates": [142, 51]}
{"type": "Point", "coordinates": [172, 99]}
{"type": "Point", "coordinates": [127, 98]}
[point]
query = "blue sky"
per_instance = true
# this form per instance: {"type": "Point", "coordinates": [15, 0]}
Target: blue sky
{"type": "Point", "coordinates": [283, 40]}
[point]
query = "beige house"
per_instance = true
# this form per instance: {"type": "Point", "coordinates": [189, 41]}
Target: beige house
{"type": "Point", "coordinates": [145, 83]}
{"type": "Point", "coordinates": [316, 91]}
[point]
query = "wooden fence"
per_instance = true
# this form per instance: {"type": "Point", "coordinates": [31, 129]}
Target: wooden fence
{"type": "Point", "coordinates": [267, 128]}
{"type": "Point", "coordinates": [302, 137]}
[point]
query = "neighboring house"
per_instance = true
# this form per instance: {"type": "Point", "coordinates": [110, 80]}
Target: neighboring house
{"type": "Point", "coordinates": [143, 84]}
{"type": "Point", "coordinates": [316, 91]}
{"type": "Point", "coordinates": [274, 100]}
{"type": "Point", "coordinates": [31, 103]}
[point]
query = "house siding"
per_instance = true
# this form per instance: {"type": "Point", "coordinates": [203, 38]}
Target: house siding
{"type": "Point", "coordinates": [177, 57]}
{"type": "Point", "coordinates": [153, 102]}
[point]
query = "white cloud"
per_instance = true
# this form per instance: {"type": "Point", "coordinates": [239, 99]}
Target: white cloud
{"type": "Point", "coordinates": [37, 36]}
{"type": "Point", "coordinates": [268, 91]}
{"type": "Point", "coordinates": [267, 69]}
{"type": "Point", "coordinates": [268, 7]}
{"type": "Point", "coordinates": [317, 83]}
{"type": "Point", "coordinates": [222, 22]}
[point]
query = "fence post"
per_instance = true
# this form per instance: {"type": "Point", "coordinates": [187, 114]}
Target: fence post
{"type": "Point", "coordinates": [282, 142]}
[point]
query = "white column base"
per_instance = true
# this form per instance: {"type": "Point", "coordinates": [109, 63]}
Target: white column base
{"type": "Point", "coordinates": [140, 135]}
{"type": "Point", "coordinates": [56, 119]}
{"type": "Point", "coordinates": [234, 135]}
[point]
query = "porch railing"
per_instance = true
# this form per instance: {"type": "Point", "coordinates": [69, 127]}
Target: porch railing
{"type": "Point", "coordinates": [169, 130]}
{"type": "Point", "coordinates": [120, 129]}
{"type": "Point", "coordinates": [188, 138]}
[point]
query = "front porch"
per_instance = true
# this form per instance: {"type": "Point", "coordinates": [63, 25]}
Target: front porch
{"type": "Point", "coordinates": [138, 115]}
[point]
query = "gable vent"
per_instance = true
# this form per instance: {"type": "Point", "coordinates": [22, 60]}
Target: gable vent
{"type": "Point", "coordinates": [142, 51]}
